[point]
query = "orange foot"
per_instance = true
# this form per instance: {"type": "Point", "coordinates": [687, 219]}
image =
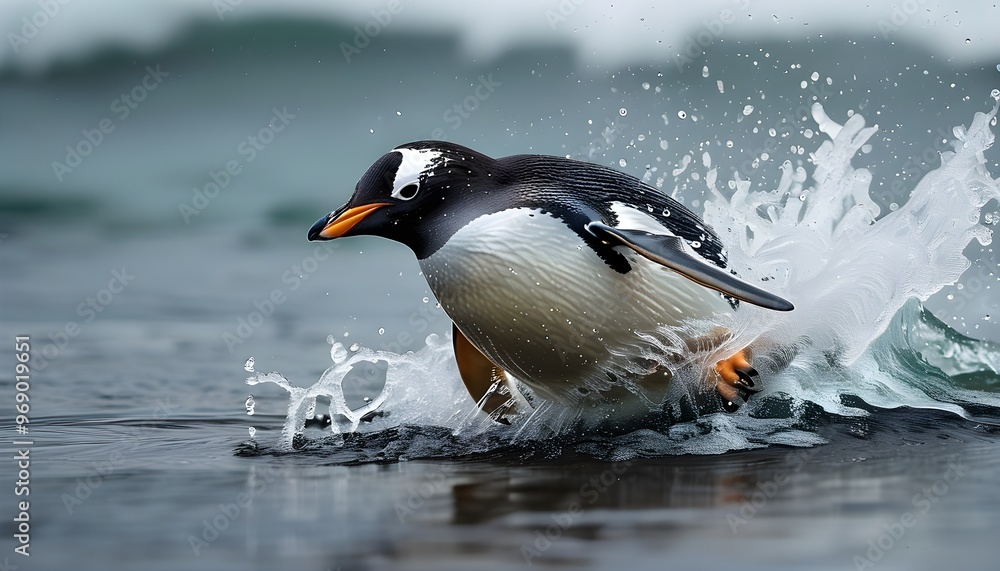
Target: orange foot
{"type": "Point", "coordinates": [735, 383]}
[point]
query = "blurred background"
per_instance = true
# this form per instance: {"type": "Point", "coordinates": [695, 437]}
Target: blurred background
{"type": "Point", "coordinates": [161, 162]}
{"type": "Point", "coordinates": [118, 121]}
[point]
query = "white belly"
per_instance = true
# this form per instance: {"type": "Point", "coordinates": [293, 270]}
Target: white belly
{"type": "Point", "coordinates": [540, 303]}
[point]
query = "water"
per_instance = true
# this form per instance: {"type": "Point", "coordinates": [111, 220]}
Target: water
{"type": "Point", "coordinates": [881, 403]}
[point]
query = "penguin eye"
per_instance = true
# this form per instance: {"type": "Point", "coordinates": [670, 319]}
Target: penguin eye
{"type": "Point", "coordinates": [408, 191]}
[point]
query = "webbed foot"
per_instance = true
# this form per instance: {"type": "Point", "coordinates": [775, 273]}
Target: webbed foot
{"type": "Point", "coordinates": [736, 381]}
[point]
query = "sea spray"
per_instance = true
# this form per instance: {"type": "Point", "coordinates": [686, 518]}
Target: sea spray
{"type": "Point", "coordinates": [825, 248]}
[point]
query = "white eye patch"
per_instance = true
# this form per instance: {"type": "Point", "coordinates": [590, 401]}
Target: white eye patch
{"type": "Point", "coordinates": [416, 163]}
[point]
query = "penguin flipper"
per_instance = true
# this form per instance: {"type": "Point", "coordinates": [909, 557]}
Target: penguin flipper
{"type": "Point", "coordinates": [487, 383]}
{"type": "Point", "coordinates": [671, 251]}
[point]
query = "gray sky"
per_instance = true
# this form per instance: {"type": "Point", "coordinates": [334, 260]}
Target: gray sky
{"type": "Point", "coordinates": [602, 32]}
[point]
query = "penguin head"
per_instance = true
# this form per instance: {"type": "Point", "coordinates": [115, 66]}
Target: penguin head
{"type": "Point", "coordinates": [417, 194]}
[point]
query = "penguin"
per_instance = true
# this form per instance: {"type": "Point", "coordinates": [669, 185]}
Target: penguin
{"type": "Point", "coordinates": [553, 271]}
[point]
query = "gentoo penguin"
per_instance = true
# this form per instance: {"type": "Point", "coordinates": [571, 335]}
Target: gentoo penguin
{"type": "Point", "coordinates": [552, 270]}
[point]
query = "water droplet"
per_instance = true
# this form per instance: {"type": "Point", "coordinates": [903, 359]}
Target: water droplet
{"type": "Point", "coordinates": [371, 131]}
{"type": "Point", "coordinates": [645, 85]}
{"type": "Point", "coordinates": [775, 18]}
{"type": "Point", "coordinates": [894, 207]}
{"type": "Point", "coordinates": [248, 366]}
{"type": "Point", "coordinates": [666, 212]}
{"type": "Point", "coordinates": [623, 111]}
{"type": "Point", "coordinates": [704, 71]}
{"type": "Point", "coordinates": [641, 137]}
{"type": "Point", "coordinates": [772, 132]}
{"type": "Point", "coordinates": [951, 296]}
{"type": "Point", "coordinates": [250, 404]}
{"type": "Point", "coordinates": [814, 76]}
{"type": "Point", "coordinates": [664, 144]}
{"type": "Point", "coordinates": [748, 109]}
{"type": "Point", "coordinates": [399, 113]}
{"type": "Point", "coordinates": [682, 114]}
{"type": "Point", "coordinates": [253, 432]}
{"type": "Point", "coordinates": [355, 347]}
{"type": "Point", "coordinates": [381, 330]}
{"type": "Point", "coordinates": [696, 244]}
{"type": "Point", "coordinates": [426, 299]}
{"type": "Point", "coordinates": [338, 353]}
{"type": "Point", "coordinates": [622, 162]}
{"type": "Point", "coordinates": [729, 144]}
{"type": "Point", "coordinates": [968, 40]}
{"type": "Point", "coordinates": [804, 84]}
{"type": "Point", "coordinates": [995, 94]}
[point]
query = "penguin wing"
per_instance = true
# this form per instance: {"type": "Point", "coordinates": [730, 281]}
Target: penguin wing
{"type": "Point", "coordinates": [673, 252]}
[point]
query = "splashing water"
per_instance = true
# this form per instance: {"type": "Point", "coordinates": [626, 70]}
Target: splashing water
{"type": "Point", "coordinates": [858, 333]}
{"type": "Point", "coordinates": [848, 274]}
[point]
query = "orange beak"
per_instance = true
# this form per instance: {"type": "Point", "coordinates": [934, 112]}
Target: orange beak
{"type": "Point", "coordinates": [342, 223]}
